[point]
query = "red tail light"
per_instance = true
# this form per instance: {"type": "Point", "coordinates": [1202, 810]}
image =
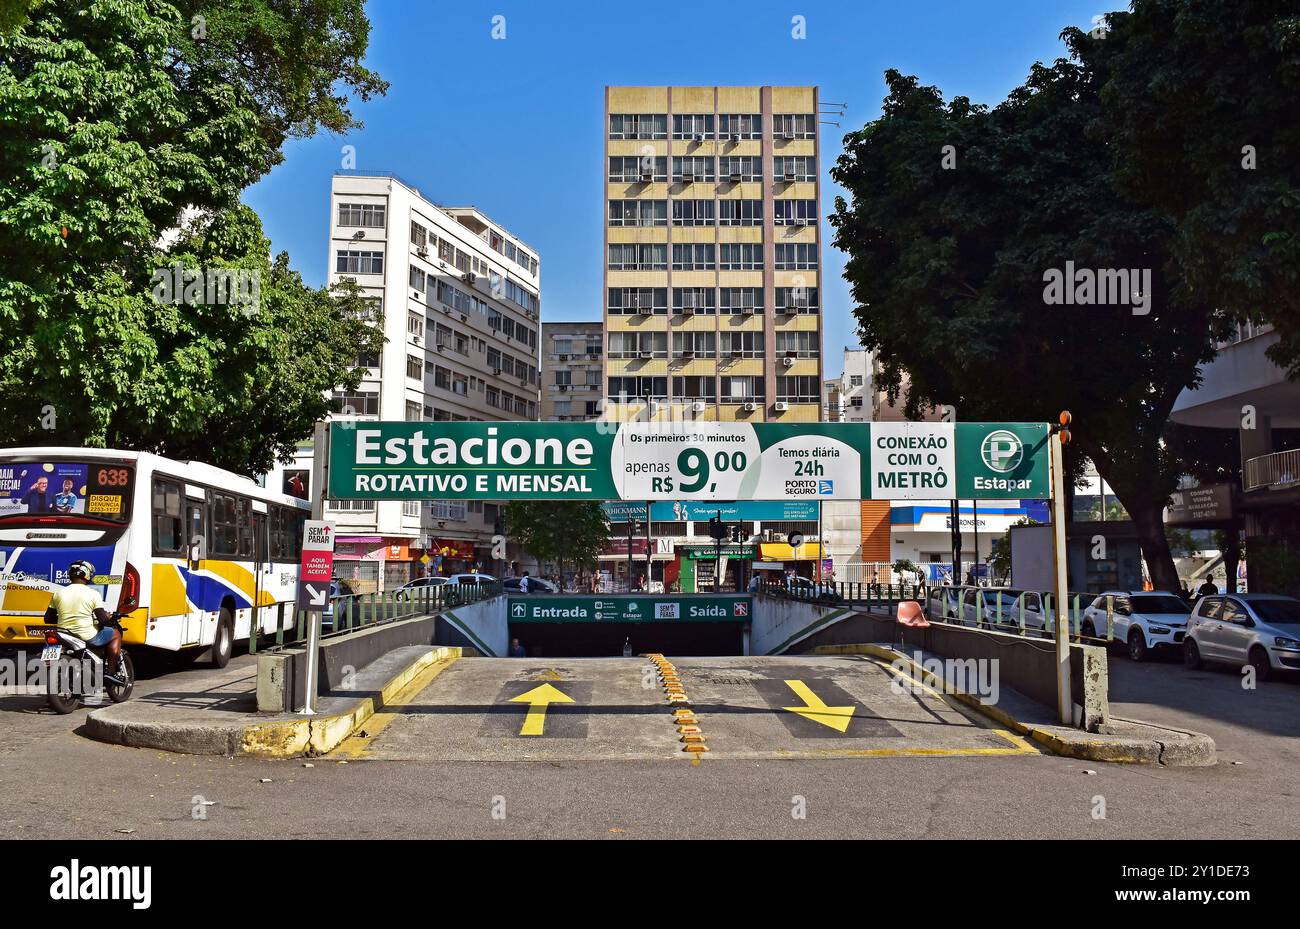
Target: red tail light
{"type": "Point", "coordinates": [51, 639]}
{"type": "Point", "coordinates": [130, 596]}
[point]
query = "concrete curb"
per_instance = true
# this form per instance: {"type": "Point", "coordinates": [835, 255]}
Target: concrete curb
{"type": "Point", "coordinates": [1183, 748]}
{"type": "Point", "coordinates": [280, 738]}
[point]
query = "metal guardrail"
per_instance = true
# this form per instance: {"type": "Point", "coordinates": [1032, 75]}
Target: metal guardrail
{"type": "Point", "coordinates": [351, 612]}
{"type": "Point", "coordinates": [1280, 469]}
{"type": "Point", "coordinates": [960, 605]}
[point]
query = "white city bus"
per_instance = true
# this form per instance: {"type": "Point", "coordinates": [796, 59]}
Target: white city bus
{"type": "Point", "coordinates": [187, 552]}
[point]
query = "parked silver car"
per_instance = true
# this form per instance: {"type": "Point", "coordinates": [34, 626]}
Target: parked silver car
{"type": "Point", "coordinates": [1262, 630]}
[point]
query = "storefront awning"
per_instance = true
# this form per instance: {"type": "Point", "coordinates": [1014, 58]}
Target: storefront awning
{"type": "Point", "coordinates": [780, 551]}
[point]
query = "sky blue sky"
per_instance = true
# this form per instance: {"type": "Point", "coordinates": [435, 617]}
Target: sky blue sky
{"type": "Point", "coordinates": [514, 126]}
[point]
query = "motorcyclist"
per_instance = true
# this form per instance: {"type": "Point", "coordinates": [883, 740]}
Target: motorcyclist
{"type": "Point", "coordinates": [76, 609]}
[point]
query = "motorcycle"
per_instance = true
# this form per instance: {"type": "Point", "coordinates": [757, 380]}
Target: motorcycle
{"type": "Point", "coordinates": [71, 664]}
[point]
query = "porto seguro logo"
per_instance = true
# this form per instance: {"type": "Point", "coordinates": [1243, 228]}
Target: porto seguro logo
{"type": "Point", "coordinates": [1002, 451]}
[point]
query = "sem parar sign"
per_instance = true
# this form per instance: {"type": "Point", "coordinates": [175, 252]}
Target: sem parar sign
{"type": "Point", "coordinates": [687, 461]}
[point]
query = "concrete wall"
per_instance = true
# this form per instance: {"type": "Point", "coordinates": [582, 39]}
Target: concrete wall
{"type": "Point", "coordinates": [481, 626]}
{"type": "Point", "coordinates": [779, 624]}
{"type": "Point", "coordinates": [1026, 665]}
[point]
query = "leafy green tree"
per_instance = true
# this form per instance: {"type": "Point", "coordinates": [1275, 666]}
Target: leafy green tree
{"type": "Point", "coordinates": [121, 118]}
{"type": "Point", "coordinates": [571, 532]}
{"type": "Point", "coordinates": [948, 262]}
{"type": "Point", "coordinates": [1200, 112]}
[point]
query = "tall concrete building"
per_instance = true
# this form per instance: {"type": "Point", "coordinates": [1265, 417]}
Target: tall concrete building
{"type": "Point", "coordinates": [713, 253]}
{"type": "Point", "coordinates": [848, 398]}
{"type": "Point", "coordinates": [460, 301]}
{"type": "Point", "coordinates": [572, 381]}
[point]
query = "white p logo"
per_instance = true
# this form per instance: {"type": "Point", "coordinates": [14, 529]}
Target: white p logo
{"type": "Point", "coordinates": [1002, 451]}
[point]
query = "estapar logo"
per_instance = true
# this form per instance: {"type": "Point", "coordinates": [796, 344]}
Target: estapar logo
{"type": "Point", "coordinates": [1002, 451]}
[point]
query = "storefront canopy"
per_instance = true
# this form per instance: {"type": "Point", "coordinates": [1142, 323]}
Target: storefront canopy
{"type": "Point", "coordinates": [780, 551]}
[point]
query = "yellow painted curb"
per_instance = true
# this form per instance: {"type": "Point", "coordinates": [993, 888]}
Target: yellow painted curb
{"type": "Point", "coordinates": [321, 734]}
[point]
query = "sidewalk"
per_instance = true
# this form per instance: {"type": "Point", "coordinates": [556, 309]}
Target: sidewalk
{"type": "Point", "coordinates": [216, 714]}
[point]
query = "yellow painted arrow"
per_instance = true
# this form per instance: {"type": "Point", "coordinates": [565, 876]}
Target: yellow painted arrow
{"type": "Point", "coordinates": [538, 699]}
{"type": "Point", "coordinates": [837, 717]}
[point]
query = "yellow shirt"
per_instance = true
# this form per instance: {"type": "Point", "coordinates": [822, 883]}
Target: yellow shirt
{"type": "Point", "coordinates": [76, 604]}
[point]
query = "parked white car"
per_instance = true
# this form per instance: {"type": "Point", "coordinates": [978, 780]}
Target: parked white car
{"type": "Point", "coordinates": [1262, 630]}
{"type": "Point", "coordinates": [471, 578]}
{"type": "Point", "coordinates": [418, 587]}
{"type": "Point", "coordinates": [1141, 619]}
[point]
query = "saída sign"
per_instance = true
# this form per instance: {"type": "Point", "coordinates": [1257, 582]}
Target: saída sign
{"type": "Point", "coordinates": [687, 461]}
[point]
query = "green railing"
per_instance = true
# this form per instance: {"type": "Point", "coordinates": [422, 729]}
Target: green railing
{"type": "Point", "coordinates": [351, 612]}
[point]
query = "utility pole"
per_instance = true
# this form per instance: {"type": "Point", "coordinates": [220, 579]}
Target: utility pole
{"type": "Point", "coordinates": [1064, 693]}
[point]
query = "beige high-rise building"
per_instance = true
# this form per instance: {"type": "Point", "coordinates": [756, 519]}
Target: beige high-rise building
{"type": "Point", "coordinates": [571, 371]}
{"type": "Point", "coordinates": [713, 253]}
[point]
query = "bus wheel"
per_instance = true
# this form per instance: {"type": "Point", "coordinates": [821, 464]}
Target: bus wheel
{"type": "Point", "coordinates": [224, 641]}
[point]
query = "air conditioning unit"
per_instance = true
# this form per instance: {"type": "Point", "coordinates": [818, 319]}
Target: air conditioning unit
{"type": "Point", "coordinates": [415, 339]}
{"type": "Point", "coordinates": [562, 386]}
{"type": "Point", "coordinates": [647, 176]}
{"type": "Point", "coordinates": [646, 354]}
{"type": "Point", "coordinates": [751, 407]}
{"type": "Point", "coordinates": [563, 357]}
{"type": "Point", "coordinates": [422, 252]}
{"type": "Point", "coordinates": [698, 137]}
{"type": "Point", "coordinates": [781, 406]}
{"type": "Point", "coordinates": [688, 353]}
{"type": "Point", "coordinates": [447, 310]}
{"type": "Point", "coordinates": [688, 309]}
{"type": "Point", "coordinates": [735, 137]}
{"type": "Point", "coordinates": [735, 177]}
{"type": "Point", "coordinates": [789, 177]}
{"type": "Point", "coordinates": [698, 406]}
{"type": "Point", "coordinates": [496, 372]}
{"type": "Point", "coordinates": [468, 277]}
{"type": "Point", "coordinates": [441, 347]}
{"type": "Point", "coordinates": [787, 136]}
{"type": "Point", "coordinates": [787, 362]}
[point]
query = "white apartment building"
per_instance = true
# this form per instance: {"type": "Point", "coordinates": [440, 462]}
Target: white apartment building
{"type": "Point", "coordinates": [460, 300]}
{"type": "Point", "coordinates": [848, 398]}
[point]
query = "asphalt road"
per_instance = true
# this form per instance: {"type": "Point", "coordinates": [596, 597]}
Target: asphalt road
{"type": "Point", "coordinates": [59, 785]}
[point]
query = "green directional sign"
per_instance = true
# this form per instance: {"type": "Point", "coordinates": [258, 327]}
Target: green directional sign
{"type": "Point", "coordinates": [681, 461]}
{"type": "Point", "coordinates": [543, 608]}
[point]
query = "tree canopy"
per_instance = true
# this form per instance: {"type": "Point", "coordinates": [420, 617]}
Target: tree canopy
{"type": "Point", "coordinates": [559, 531]}
{"type": "Point", "coordinates": [122, 120]}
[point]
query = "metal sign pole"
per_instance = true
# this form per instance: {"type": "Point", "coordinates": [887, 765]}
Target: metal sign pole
{"type": "Point", "coordinates": [1064, 695]}
{"type": "Point", "coordinates": [320, 482]}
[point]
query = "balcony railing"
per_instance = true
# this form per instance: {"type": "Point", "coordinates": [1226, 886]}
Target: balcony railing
{"type": "Point", "coordinates": [1278, 470]}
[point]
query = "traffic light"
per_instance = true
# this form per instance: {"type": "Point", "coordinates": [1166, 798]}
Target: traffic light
{"type": "Point", "coordinates": [717, 530]}
{"type": "Point", "coordinates": [1064, 427]}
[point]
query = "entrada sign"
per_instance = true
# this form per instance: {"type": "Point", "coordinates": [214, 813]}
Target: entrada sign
{"type": "Point", "coordinates": [542, 608]}
{"type": "Point", "coordinates": [687, 461]}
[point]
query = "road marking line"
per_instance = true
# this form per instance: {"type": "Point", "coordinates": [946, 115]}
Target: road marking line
{"type": "Point", "coordinates": [357, 745]}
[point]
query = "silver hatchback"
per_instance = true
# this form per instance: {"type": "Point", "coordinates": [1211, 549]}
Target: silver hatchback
{"type": "Point", "coordinates": [1262, 630]}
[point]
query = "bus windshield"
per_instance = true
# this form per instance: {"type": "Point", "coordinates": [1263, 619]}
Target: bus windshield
{"type": "Point", "coordinates": [99, 490]}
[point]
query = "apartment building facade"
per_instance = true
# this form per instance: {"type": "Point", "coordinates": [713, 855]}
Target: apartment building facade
{"type": "Point", "coordinates": [712, 253]}
{"type": "Point", "coordinates": [459, 297]}
{"type": "Point", "coordinates": [572, 387]}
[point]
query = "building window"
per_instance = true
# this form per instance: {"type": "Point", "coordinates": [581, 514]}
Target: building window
{"type": "Point", "coordinates": [692, 212]}
{"type": "Point", "coordinates": [415, 325]}
{"type": "Point", "coordinates": [742, 389]}
{"type": "Point", "coordinates": [796, 257]}
{"type": "Point", "coordinates": [693, 168]}
{"type": "Point", "coordinates": [797, 345]}
{"type": "Point", "coordinates": [794, 168]}
{"type": "Point", "coordinates": [737, 126]}
{"type": "Point", "coordinates": [740, 168]}
{"type": "Point", "coordinates": [740, 212]}
{"type": "Point", "coordinates": [741, 257]}
{"type": "Point", "coordinates": [695, 388]}
{"type": "Point", "coordinates": [638, 126]}
{"type": "Point", "coordinates": [348, 261]}
{"type": "Point", "coordinates": [638, 212]}
{"type": "Point", "coordinates": [635, 301]}
{"type": "Point", "coordinates": [798, 389]}
{"type": "Point", "coordinates": [855, 380]}
{"type": "Point", "coordinates": [693, 300]}
{"type": "Point", "coordinates": [796, 300]}
{"type": "Point", "coordinates": [414, 367]}
{"type": "Point", "coordinates": [623, 389]}
{"type": "Point", "coordinates": [442, 377]}
{"type": "Point", "coordinates": [563, 377]}
{"type": "Point", "coordinates": [416, 279]}
{"type": "Point", "coordinates": [350, 506]}
{"type": "Point", "coordinates": [414, 412]}
{"type": "Point", "coordinates": [693, 257]}
{"type": "Point", "coordinates": [741, 300]}
{"type": "Point", "coordinates": [369, 215]}
{"type": "Point", "coordinates": [694, 345]}
{"type": "Point", "coordinates": [633, 169]}
{"type": "Point", "coordinates": [358, 403]}
{"type": "Point", "coordinates": [637, 257]}
{"type": "Point", "coordinates": [794, 126]}
{"type": "Point", "coordinates": [742, 345]}
{"type": "Point", "coordinates": [419, 235]}
{"type": "Point", "coordinates": [693, 126]}
{"type": "Point", "coordinates": [794, 212]}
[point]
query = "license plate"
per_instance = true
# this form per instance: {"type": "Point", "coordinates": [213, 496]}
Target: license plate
{"type": "Point", "coordinates": [51, 653]}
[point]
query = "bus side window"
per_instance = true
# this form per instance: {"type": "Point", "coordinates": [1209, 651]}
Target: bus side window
{"type": "Point", "coordinates": [168, 520]}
